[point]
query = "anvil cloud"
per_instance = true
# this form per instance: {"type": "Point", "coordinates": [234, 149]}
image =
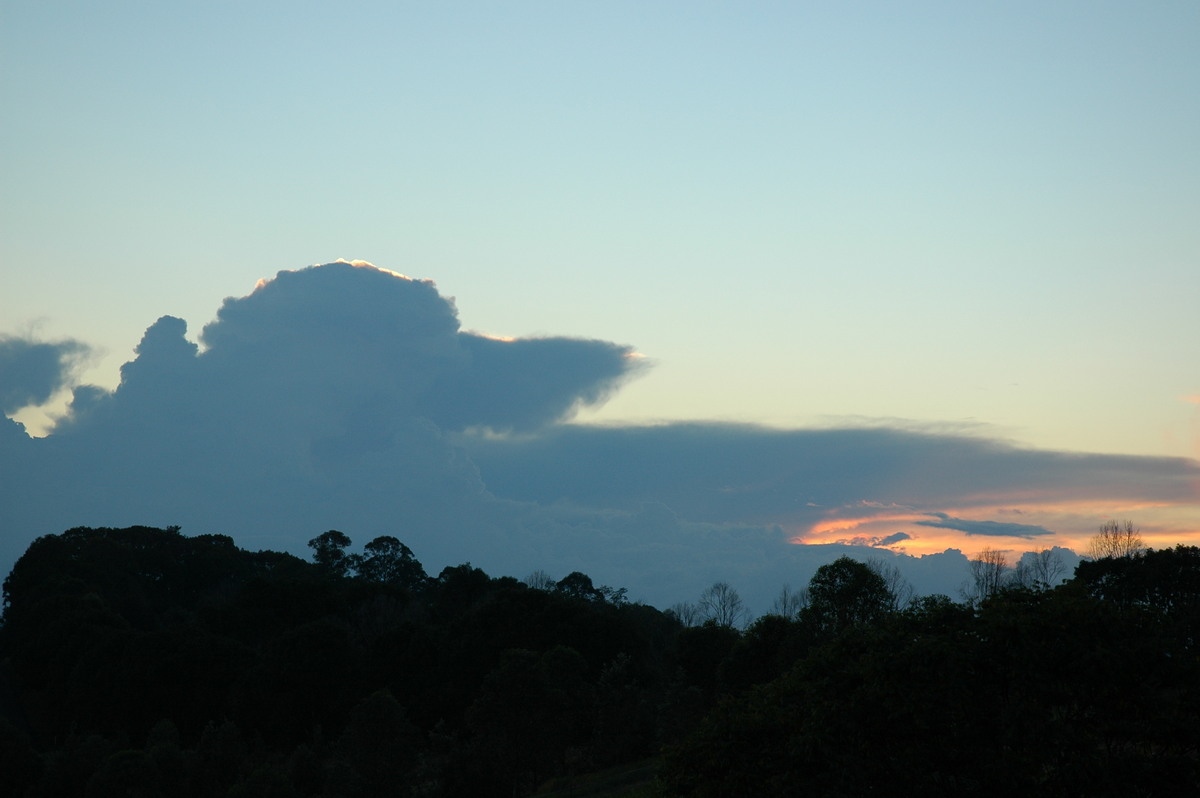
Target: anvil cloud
{"type": "Point", "coordinates": [348, 396]}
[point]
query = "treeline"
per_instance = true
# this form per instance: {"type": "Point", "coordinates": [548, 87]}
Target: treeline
{"type": "Point", "coordinates": [1088, 689]}
{"type": "Point", "coordinates": [143, 662]}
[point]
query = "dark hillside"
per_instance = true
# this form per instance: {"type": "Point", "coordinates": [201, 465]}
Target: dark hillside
{"type": "Point", "coordinates": [143, 662]}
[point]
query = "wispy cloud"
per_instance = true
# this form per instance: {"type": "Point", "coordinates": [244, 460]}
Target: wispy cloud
{"type": "Point", "coordinates": [987, 528]}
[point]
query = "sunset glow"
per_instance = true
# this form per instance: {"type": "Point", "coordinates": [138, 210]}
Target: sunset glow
{"type": "Point", "coordinates": [737, 390]}
{"type": "Point", "coordinates": [1070, 525]}
{"type": "Point", "coordinates": [874, 283]}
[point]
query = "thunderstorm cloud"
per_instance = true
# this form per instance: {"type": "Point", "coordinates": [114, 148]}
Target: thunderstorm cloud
{"type": "Point", "coordinates": [33, 371]}
{"type": "Point", "coordinates": [349, 397]}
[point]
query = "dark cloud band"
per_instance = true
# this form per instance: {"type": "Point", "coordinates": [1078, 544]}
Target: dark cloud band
{"type": "Point", "coordinates": [987, 528]}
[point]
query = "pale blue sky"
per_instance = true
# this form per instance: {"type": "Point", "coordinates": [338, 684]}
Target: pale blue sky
{"type": "Point", "coordinates": [959, 213]}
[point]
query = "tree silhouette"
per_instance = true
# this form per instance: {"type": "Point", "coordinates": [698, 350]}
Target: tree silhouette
{"type": "Point", "coordinates": [388, 561]}
{"type": "Point", "coordinates": [846, 593]}
{"type": "Point", "coordinates": [989, 573]}
{"type": "Point", "coordinates": [722, 605]}
{"type": "Point", "coordinates": [261, 674]}
{"type": "Point", "coordinates": [242, 672]}
{"type": "Point", "coordinates": [687, 613]}
{"type": "Point", "coordinates": [789, 602]}
{"type": "Point", "coordinates": [1040, 570]}
{"type": "Point", "coordinates": [900, 589]}
{"type": "Point", "coordinates": [329, 552]}
{"type": "Point", "coordinates": [540, 580]}
{"type": "Point", "coordinates": [1163, 580]}
{"type": "Point", "coordinates": [1116, 540]}
{"type": "Point", "coordinates": [578, 585]}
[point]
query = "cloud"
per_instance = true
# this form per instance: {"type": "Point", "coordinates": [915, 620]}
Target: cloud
{"type": "Point", "coordinates": [521, 385]}
{"type": "Point", "coordinates": [323, 399]}
{"type": "Point", "coordinates": [341, 328]}
{"type": "Point", "coordinates": [726, 473]}
{"type": "Point", "coordinates": [33, 371]}
{"type": "Point", "coordinates": [348, 397]}
{"type": "Point", "coordinates": [989, 528]}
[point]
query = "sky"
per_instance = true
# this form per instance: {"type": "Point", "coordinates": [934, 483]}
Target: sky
{"type": "Point", "coordinates": [913, 269]}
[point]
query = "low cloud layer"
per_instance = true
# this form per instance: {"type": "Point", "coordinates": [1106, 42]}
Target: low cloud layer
{"type": "Point", "coordinates": [348, 397]}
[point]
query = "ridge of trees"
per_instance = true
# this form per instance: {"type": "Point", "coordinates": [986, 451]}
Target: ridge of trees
{"type": "Point", "coordinates": [141, 661]}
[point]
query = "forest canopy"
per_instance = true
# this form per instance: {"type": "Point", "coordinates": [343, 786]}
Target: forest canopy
{"type": "Point", "coordinates": [142, 661]}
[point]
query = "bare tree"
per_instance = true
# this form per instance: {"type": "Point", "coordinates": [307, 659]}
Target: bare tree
{"type": "Point", "coordinates": [1116, 540]}
{"type": "Point", "coordinates": [789, 602]}
{"type": "Point", "coordinates": [1037, 570]}
{"type": "Point", "coordinates": [989, 573]}
{"type": "Point", "coordinates": [687, 613]}
{"type": "Point", "coordinates": [540, 580]}
{"type": "Point", "coordinates": [900, 589]}
{"type": "Point", "coordinates": [1046, 567]}
{"type": "Point", "coordinates": [1021, 576]}
{"type": "Point", "coordinates": [722, 605]}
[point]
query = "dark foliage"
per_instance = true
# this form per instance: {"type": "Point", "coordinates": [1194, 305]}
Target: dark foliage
{"type": "Point", "coordinates": [1051, 693]}
{"type": "Point", "coordinates": [143, 662]}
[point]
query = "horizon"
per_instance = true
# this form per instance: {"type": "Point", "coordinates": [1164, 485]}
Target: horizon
{"type": "Point", "coordinates": [348, 396]}
{"type": "Point", "coordinates": [900, 282]}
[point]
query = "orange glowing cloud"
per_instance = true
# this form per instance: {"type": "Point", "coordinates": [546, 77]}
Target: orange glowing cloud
{"type": "Point", "coordinates": [1016, 526]}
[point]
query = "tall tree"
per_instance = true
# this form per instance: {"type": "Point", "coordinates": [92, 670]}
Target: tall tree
{"type": "Point", "coordinates": [989, 572]}
{"type": "Point", "coordinates": [722, 605]}
{"type": "Point", "coordinates": [1038, 570]}
{"type": "Point", "coordinates": [899, 588]}
{"type": "Point", "coordinates": [329, 552]}
{"type": "Point", "coordinates": [789, 602]}
{"type": "Point", "coordinates": [385, 559]}
{"type": "Point", "coordinates": [578, 585]}
{"type": "Point", "coordinates": [1116, 540]}
{"type": "Point", "coordinates": [540, 580]}
{"type": "Point", "coordinates": [846, 593]}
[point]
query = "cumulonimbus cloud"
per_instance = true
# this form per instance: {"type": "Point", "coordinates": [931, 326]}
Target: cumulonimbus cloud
{"type": "Point", "coordinates": [33, 371]}
{"type": "Point", "coordinates": [323, 397]}
{"type": "Point", "coordinates": [520, 385]}
{"type": "Point", "coordinates": [346, 396]}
